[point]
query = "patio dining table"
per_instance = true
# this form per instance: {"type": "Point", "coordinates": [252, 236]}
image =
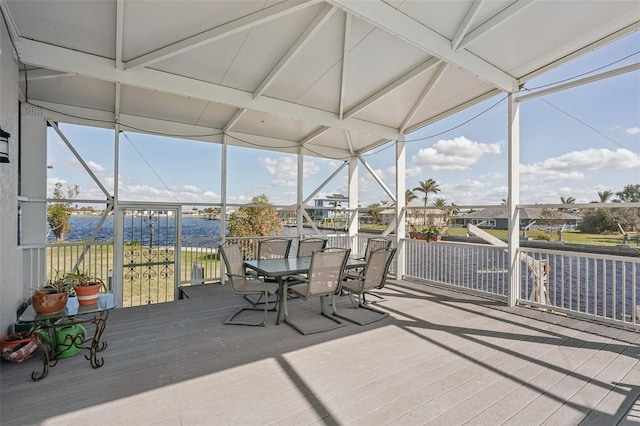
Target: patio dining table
{"type": "Point", "coordinates": [281, 268]}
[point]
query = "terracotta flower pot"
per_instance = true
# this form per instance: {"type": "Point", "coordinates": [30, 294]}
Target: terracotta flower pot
{"type": "Point", "coordinates": [49, 303]}
{"type": "Point", "coordinates": [18, 347]}
{"type": "Point", "coordinates": [88, 294]}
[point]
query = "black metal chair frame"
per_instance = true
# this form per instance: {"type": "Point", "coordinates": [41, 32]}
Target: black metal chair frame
{"type": "Point", "coordinates": [381, 260]}
{"type": "Point", "coordinates": [237, 276]}
{"type": "Point", "coordinates": [322, 242]}
{"type": "Point", "coordinates": [263, 253]}
{"type": "Point", "coordinates": [330, 277]}
{"type": "Point", "coordinates": [373, 244]}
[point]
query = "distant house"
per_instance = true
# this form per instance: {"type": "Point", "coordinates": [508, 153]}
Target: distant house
{"type": "Point", "coordinates": [497, 218]}
{"type": "Point", "coordinates": [416, 217]}
{"type": "Point", "coordinates": [333, 205]}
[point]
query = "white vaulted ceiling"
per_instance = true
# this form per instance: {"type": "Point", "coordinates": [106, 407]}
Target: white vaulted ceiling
{"type": "Point", "coordinates": [338, 76]}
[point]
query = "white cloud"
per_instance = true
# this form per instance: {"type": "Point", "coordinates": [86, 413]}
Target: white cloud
{"type": "Point", "coordinates": [183, 193]}
{"type": "Point", "coordinates": [538, 171]}
{"type": "Point", "coordinates": [634, 131]}
{"type": "Point", "coordinates": [98, 169]}
{"type": "Point", "coordinates": [454, 154]}
{"type": "Point", "coordinates": [413, 171]}
{"type": "Point", "coordinates": [284, 170]}
{"type": "Point", "coordinates": [570, 166]}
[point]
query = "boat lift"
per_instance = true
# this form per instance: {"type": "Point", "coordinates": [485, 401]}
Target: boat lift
{"type": "Point", "coordinates": [539, 269]}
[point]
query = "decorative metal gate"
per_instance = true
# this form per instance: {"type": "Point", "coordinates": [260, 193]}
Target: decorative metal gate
{"type": "Point", "coordinates": [151, 255]}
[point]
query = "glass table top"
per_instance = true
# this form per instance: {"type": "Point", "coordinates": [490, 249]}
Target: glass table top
{"type": "Point", "coordinates": [106, 301]}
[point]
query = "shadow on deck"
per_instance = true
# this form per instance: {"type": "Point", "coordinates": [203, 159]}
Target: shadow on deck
{"type": "Point", "coordinates": [440, 357]}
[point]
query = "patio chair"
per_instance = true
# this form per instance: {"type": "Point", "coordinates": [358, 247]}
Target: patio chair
{"type": "Point", "coordinates": [244, 284]}
{"type": "Point", "coordinates": [274, 248]}
{"type": "Point", "coordinates": [373, 276]}
{"type": "Point", "coordinates": [305, 249]}
{"type": "Point", "coordinates": [308, 246]}
{"type": "Point", "coordinates": [324, 280]}
{"type": "Point", "coordinates": [374, 244]}
{"type": "Point", "coordinates": [271, 248]}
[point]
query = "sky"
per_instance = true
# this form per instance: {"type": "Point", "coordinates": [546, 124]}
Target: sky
{"type": "Point", "coordinates": [574, 143]}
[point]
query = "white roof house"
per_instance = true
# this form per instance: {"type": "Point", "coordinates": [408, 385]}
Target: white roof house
{"type": "Point", "coordinates": [333, 78]}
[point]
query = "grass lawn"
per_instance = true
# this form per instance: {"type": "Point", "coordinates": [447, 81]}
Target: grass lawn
{"type": "Point", "coordinates": [574, 237]}
{"type": "Point", "coordinates": [142, 284]}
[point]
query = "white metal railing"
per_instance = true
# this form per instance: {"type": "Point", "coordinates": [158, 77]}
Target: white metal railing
{"type": "Point", "coordinates": [201, 253]}
{"type": "Point", "coordinates": [599, 286]}
{"type": "Point", "coordinates": [473, 267]}
{"type": "Point", "coordinates": [43, 263]}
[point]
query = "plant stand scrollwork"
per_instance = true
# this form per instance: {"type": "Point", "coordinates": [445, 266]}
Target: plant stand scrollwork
{"type": "Point", "coordinates": [53, 344]}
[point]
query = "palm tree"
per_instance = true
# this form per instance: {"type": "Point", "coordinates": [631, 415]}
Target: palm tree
{"type": "Point", "coordinates": [409, 196]}
{"type": "Point", "coordinates": [441, 203]}
{"type": "Point", "coordinates": [426, 187]}
{"type": "Point", "coordinates": [629, 194]}
{"type": "Point", "coordinates": [568, 200]}
{"type": "Point", "coordinates": [374, 212]}
{"type": "Point", "coordinates": [336, 207]}
{"type": "Point", "coordinates": [605, 196]}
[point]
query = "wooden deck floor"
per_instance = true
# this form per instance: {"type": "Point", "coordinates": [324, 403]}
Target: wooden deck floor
{"type": "Point", "coordinates": [439, 358]}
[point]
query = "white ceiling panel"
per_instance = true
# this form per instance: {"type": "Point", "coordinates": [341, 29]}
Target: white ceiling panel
{"type": "Point", "coordinates": [194, 65]}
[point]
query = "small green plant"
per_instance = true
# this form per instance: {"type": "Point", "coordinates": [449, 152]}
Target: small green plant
{"type": "Point", "coordinates": [57, 284]}
{"type": "Point", "coordinates": [431, 231]}
{"type": "Point", "coordinates": [80, 278]}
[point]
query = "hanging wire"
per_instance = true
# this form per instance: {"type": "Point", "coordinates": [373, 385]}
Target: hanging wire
{"type": "Point", "coordinates": [172, 135]}
{"type": "Point", "coordinates": [584, 73]}
{"type": "Point", "coordinates": [544, 100]}
{"type": "Point", "coordinates": [568, 114]}
{"type": "Point", "coordinates": [295, 145]}
{"type": "Point", "coordinates": [435, 135]}
{"type": "Point", "coordinates": [150, 166]}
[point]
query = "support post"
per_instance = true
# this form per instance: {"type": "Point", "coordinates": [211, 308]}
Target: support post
{"type": "Point", "coordinates": [401, 171]}
{"type": "Point", "coordinates": [513, 199]}
{"type": "Point", "coordinates": [352, 212]}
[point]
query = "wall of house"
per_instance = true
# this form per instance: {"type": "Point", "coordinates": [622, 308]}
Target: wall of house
{"type": "Point", "coordinates": [10, 287]}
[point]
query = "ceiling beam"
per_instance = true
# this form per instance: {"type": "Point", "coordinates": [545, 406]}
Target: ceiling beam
{"type": "Point", "coordinates": [488, 95]}
{"type": "Point", "coordinates": [67, 60]}
{"type": "Point", "coordinates": [391, 87]}
{"type": "Point", "coordinates": [226, 30]}
{"type": "Point", "coordinates": [494, 22]}
{"type": "Point", "coordinates": [580, 82]}
{"type": "Point", "coordinates": [583, 50]}
{"type": "Point", "coordinates": [119, 33]}
{"type": "Point", "coordinates": [41, 74]}
{"type": "Point", "coordinates": [232, 122]}
{"type": "Point", "coordinates": [311, 30]}
{"type": "Point", "coordinates": [423, 96]}
{"type": "Point", "coordinates": [345, 61]}
{"type": "Point", "coordinates": [316, 134]}
{"type": "Point", "coordinates": [390, 19]}
{"type": "Point", "coordinates": [463, 28]}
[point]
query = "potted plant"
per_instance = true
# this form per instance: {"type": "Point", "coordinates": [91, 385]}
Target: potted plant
{"type": "Point", "coordinates": [18, 346]}
{"type": "Point", "coordinates": [85, 287]}
{"type": "Point", "coordinates": [51, 297]}
{"type": "Point", "coordinates": [432, 233]}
